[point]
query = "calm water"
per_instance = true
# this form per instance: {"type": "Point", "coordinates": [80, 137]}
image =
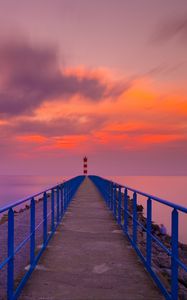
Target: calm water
{"type": "Point", "coordinates": [171, 188]}
{"type": "Point", "coordinates": [13, 188]}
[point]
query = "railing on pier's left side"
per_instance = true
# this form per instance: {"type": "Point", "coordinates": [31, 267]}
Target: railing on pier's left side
{"type": "Point", "coordinates": [117, 199]}
{"type": "Point", "coordinates": [25, 232]}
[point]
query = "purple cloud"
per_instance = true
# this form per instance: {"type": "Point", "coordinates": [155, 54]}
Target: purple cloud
{"type": "Point", "coordinates": [31, 75]}
{"type": "Point", "coordinates": [70, 125]}
{"type": "Point", "coordinates": [172, 28]}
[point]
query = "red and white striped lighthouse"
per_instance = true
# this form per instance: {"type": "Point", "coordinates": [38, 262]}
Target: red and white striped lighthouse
{"type": "Point", "coordinates": [85, 165]}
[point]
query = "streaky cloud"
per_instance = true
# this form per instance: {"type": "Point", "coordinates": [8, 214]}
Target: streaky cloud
{"type": "Point", "coordinates": [67, 125]}
{"type": "Point", "coordinates": [176, 27]}
{"type": "Point", "coordinates": [32, 74]}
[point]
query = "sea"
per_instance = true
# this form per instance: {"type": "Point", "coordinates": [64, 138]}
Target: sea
{"type": "Point", "coordinates": [170, 188]}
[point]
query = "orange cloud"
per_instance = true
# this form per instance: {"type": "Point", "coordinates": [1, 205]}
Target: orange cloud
{"type": "Point", "coordinates": [32, 139]}
{"type": "Point", "coordinates": [160, 138]}
{"type": "Point", "coordinates": [63, 143]}
{"type": "Point", "coordinates": [126, 126]}
{"type": "Point", "coordinates": [70, 142]}
{"type": "Point", "coordinates": [3, 122]}
{"type": "Point", "coordinates": [115, 137]}
{"type": "Point", "coordinates": [141, 117]}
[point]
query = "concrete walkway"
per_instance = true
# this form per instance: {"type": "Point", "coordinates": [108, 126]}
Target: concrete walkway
{"type": "Point", "coordinates": [89, 258]}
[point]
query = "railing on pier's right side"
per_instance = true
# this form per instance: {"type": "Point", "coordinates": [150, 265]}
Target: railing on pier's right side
{"type": "Point", "coordinates": [26, 231]}
{"type": "Point", "coordinates": [117, 199]}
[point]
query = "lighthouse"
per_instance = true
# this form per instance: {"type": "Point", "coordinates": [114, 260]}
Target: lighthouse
{"type": "Point", "coordinates": [85, 165]}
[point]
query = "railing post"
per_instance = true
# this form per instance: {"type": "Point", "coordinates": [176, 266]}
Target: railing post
{"type": "Point", "coordinates": [32, 232]}
{"type": "Point", "coordinates": [126, 210]}
{"type": "Point", "coordinates": [134, 218]}
{"type": "Point", "coordinates": [44, 218]}
{"type": "Point", "coordinates": [52, 211]}
{"type": "Point", "coordinates": [57, 205]}
{"type": "Point", "coordinates": [149, 228]}
{"type": "Point", "coordinates": [105, 192]}
{"type": "Point", "coordinates": [62, 199]}
{"type": "Point", "coordinates": [108, 193]}
{"type": "Point", "coordinates": [111, 195]}
{"type": "Point", "coordinates": [72, 186]}
{"type": "Point", "coordinates": [119, 205]}
{"type": "Point", "coordinates": [70, 190]}
{"type": "Point", "coordinates": [66, 196]}
{"type": "Point", "coordinates": [174, 257]}
{"type": "Point", "coordinates": [114, 204]}
{"type": "Point", "coordinates": [103, 185]}
{"type": "Point", "coordinates": [10, 271]}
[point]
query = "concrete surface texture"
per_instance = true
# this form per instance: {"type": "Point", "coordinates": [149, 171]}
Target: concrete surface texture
{"type": "Point", "coordinates": [89, 258]}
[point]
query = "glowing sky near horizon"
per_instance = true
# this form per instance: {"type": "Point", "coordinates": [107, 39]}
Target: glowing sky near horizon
{"type": "Point", "coordinates": [103, 78]}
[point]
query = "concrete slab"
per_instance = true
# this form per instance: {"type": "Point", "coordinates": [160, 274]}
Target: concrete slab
{"type": "Point", "coordinates": [89, 259]}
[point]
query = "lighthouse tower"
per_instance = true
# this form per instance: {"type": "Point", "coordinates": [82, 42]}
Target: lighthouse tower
{"type": "Point", "coordinates": [85, 165]}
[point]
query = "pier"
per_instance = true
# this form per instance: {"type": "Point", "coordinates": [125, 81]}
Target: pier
{"type": "Point", "coordinates": [89, 258]}
{"type": "Point", "coordinates": [84, 243]}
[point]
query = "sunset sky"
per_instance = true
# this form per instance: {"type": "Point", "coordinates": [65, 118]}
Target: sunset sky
{"type": "Point", "coordinates": [105, 78]}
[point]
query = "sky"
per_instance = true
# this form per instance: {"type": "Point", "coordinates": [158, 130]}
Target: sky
{"type": "Point", "coordinates": [103, 78]}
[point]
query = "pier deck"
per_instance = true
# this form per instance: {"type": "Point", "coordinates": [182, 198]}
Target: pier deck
{"type": "Point", "coordinates": [89, 258]}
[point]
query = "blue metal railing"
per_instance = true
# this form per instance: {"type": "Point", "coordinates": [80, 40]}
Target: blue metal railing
{"type": "Point", "coordinates": [112, 194]}
{"type": "Point", "coordinates": [59, 197]}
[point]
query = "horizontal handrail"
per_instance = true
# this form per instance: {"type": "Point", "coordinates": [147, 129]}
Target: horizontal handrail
{"type": "Point", "coordinates": [59, 197]}
{"type": "Point", "coordinates": [163, 201]}
{"type": "Point", "coordinates": [118, 203]}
